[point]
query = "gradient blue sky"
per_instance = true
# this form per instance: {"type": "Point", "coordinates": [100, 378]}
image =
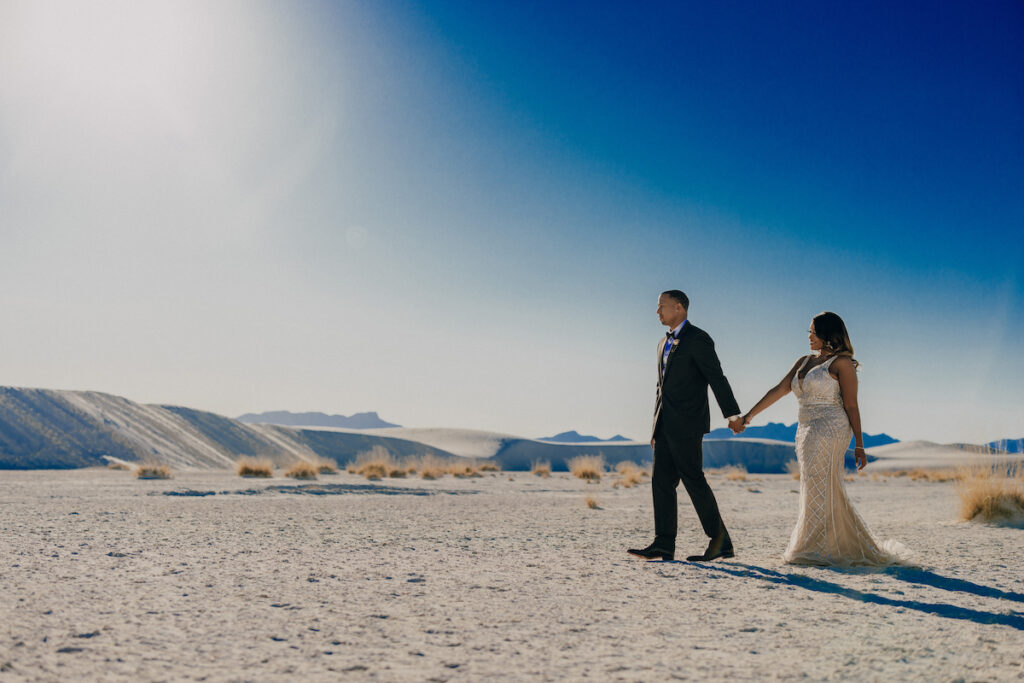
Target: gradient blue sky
{"type": "Point", "coordinates": [461, 213]}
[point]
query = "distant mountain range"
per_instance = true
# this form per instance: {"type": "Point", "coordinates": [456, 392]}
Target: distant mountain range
{"type": "Point", "coordinates": [778, 431]}
{"type": "Point", "coordinates": [576, 437]}
{"type": "Point", "coordinates": [289, 419]}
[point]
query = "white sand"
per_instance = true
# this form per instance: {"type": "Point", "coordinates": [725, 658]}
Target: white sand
{"type": "Point", "coordinates": [909, 455]}
{"type": "Point", "coordinates": [103, 577]}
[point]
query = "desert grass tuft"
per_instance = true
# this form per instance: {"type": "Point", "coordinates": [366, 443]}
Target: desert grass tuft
{"type": "Point", "coordinates": [591, 503]}
{"type": "Point", "coordinates": [991, 494]}
{"type": "Point", "coordinates": [114, 465]}
{"type": "Point", "coordinates": [542, 468]}
{"type": "Point", "coordinates": [735, 473]}
{"type": "Point", "coordinates": [326, 466]}
{"type": "Point", "coordinates": [152, 470]}
{"type": "Point", "coordinates": [377, 463]}
{"type": "Point", "coordinates": [301, 470]}
{"type": "Point", "coordinates": [587, 467]}
{"type": "Point", "coordinates": [461, 469]}
{"type": "Point", "coordinates": [431, 467]}
{"type": "Point", "coordinates": [251, 467]}
{"type": "Point", "coordinates": [489, 466]}
{"type": "Point", "coordinates": [939, 475]}
{"type": "Point", "coordinates": [629, 473]}
{"type": "Point", "coordinates": [793, 467]}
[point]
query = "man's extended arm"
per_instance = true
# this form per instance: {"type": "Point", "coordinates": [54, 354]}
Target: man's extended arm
{"type": "Point", "coordinates": [707, 362]}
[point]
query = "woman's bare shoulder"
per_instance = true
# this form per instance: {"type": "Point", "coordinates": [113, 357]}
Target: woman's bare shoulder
{"type": "Point", "coordinates": [843, 362]}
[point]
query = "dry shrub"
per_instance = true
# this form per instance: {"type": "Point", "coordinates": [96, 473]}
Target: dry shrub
{"type": "Point", "coordinates": [152, 470]}
{"type": "Point", "coordinates": [629, 473]}
{"type": "Point", "coordinates": [591, 503]}
{"type": "Point", "coordinates": [431, 467]}
{"type": "Point", "coordinates": [114, 465]}
{"type": "Point", "coordinates": [461, 468]}
{"type": "Point", "coordinates": [735, 473]}
{"type": "Point", "coordinates": [588, 467]}
{"type": "Point", "coordinates": [489, 466]}
{"type": "Point", "coordinates": [991, 494]}
{"type": "Point", "coordinates": [302, 470]}
{"type": "Point", "coordinates": [542, 468]}
{"type": "Point", "coordinates": [325, 466]}
{"type": "Point", "coordinates": [948, 474]}
{"type": "Point", "coordinates": [251, 467]}
{"type": "Point", "coordinates": [377, 463]}
{"type": "Point", "coordinates": [793, 467]}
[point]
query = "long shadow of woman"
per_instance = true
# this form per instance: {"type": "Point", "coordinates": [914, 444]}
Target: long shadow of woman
{"type": "Point", "coordinates": [1012, 619]}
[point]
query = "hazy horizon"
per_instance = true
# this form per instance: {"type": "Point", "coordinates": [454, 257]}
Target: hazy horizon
{"type": "Point", "coordinates": [461, 214]}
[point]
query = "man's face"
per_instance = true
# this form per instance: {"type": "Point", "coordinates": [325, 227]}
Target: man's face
{"type": "Point", "coordinates": [670, 311]}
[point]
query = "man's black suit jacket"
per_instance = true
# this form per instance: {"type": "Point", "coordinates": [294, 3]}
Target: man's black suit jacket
{"type": "Point", "coordinates": [682, 408]}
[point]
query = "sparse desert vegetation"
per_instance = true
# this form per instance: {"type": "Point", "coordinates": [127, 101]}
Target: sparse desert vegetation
{"type": "Point", "coordinates": [378, 463]}
{"type": "Point", "coordinates": [434, 467]}
{"type": "Point", "coordinates": [587, 467]}
{"type": "Point", "coordinates": [630, 474]}
{"type": "Point", "coordinates": [542, 468]}
{"type": "Point", "coordinates": [591, 503]}
{"type": "Point", "coordinates": [934, 475]}
{"type": "Point", "coordinates": [990, 494]}
{"type": "Point", "coordinates": [325, 466]}
{"type": "Point", "coordinates": [116, 465]}
{"type": "Point", "coordinates": [735, 473]}
{"type": "Point", "coordinates": [464, 469]}
{"type": "Point", "coordinates": [431, 467]}
{"type": "Point", "coordinates": [301, 470]}
{"type": "Point", "coordinates": [793, 467]}
{"type": "Point", "coordinates": [152, 470]}
{"type": "Point", "coordinates": [255, 467]}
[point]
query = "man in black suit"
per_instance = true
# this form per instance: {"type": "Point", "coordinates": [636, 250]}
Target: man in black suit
{"type": "Point", "coordinates": [687, 366]}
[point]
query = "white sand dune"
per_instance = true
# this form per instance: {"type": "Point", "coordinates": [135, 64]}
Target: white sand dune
{"type": "Point", "coordinates": [907, 455]}
{"type": "Point", "coordinates": [469, 443]}
{"type": "Point", "coordinates": [508, 578]}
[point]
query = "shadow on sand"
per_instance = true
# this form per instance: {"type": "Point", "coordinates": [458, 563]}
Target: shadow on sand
{"type": "Point", "coordinates": [320, 490]}
{"type": "Point", "coordinates": [917, 576]}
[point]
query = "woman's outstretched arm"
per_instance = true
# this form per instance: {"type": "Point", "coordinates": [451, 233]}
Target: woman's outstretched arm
{"type": "Point", "coordinates": [775, 393]}
{"type": "Point", "coordinates": [846, 373]}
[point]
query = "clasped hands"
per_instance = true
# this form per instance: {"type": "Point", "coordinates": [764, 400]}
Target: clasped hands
{"type": "Point", "coordinates": [739, 423]}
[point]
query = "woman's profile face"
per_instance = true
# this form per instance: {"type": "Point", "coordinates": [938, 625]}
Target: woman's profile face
{"type": "Point", "coordinates": [816, 343]}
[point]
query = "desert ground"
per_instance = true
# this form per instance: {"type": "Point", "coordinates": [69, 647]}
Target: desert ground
{"type": "Point", "coordinates": [208, 576]}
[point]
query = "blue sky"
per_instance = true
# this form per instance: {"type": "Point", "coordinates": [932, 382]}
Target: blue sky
{"type": "Point", "coordinates": [461, 214]}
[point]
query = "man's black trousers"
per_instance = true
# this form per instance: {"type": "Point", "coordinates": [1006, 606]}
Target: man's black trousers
{"type": "Point", "coordinates": [680, 458]}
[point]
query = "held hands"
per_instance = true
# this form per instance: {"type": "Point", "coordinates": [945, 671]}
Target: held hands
{"type": "Point", "coordinates": [737, 424]}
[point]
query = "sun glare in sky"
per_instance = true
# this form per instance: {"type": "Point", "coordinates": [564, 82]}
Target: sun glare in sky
{"type": "Point", "coordinates": [461, 214]}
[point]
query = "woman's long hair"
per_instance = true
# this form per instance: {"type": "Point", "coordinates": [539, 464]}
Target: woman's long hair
{"type": "Point", "coordinates": [831, 330]}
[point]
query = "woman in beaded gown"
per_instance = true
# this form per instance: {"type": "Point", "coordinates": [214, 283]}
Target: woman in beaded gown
{"type": "Point", "coordinates": [828, 529]}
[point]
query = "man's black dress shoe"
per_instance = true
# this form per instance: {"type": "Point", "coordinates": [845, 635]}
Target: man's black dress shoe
{"type": "Point", "coordinates": [720, 546]}
{"type": "Point", "coordinates": [653, 552]}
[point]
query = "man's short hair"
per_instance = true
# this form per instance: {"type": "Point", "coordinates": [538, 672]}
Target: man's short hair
{"type": "Point", "coordinates": [678, 296]}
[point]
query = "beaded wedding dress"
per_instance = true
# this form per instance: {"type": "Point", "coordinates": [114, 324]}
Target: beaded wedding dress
{"type": "Point", "coordinates": [828, 530]}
